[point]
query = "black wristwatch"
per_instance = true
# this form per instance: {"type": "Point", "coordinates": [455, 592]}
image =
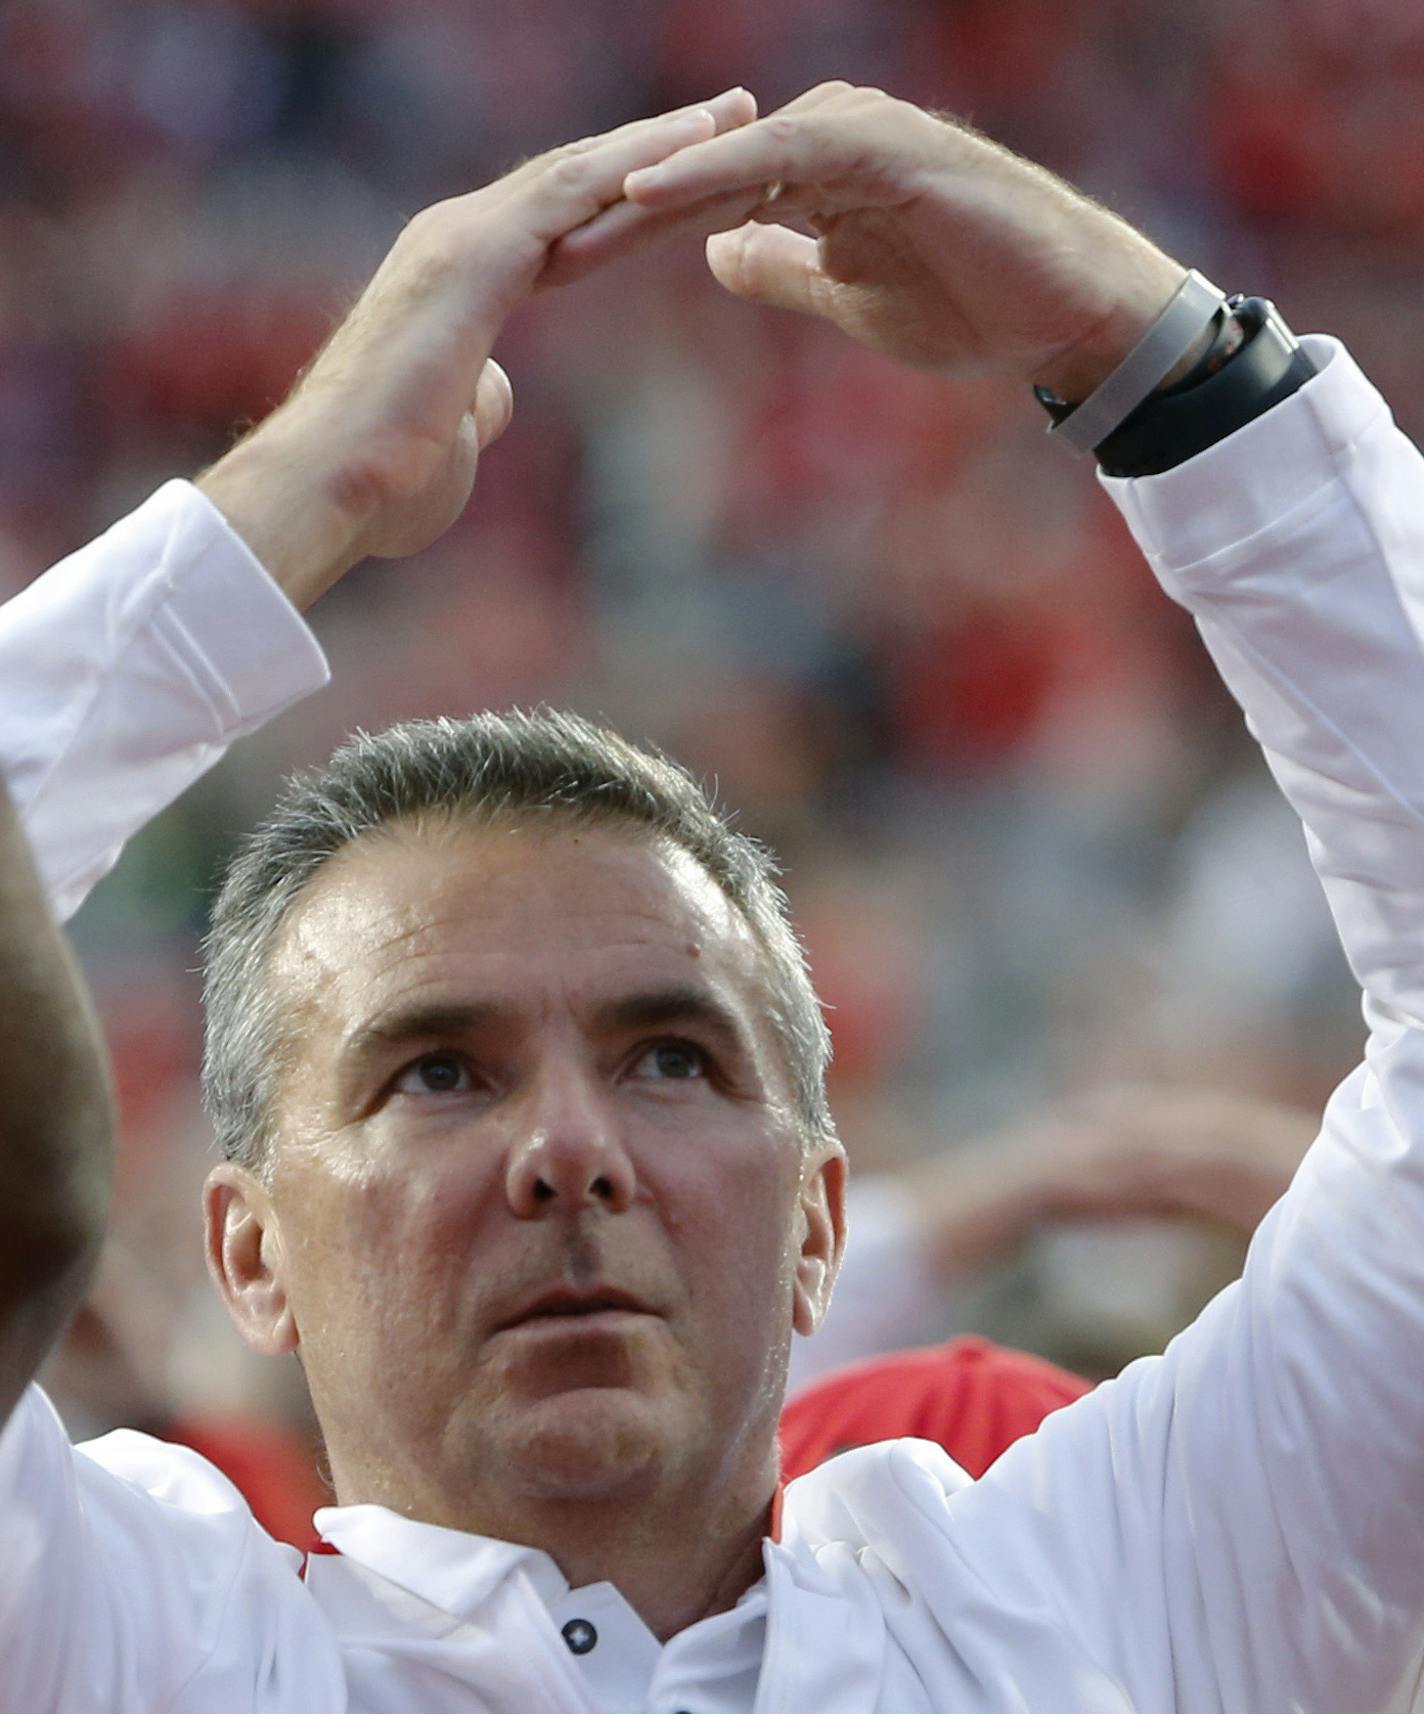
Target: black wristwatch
{"type": "Point", "coordinates": [1223, 392]}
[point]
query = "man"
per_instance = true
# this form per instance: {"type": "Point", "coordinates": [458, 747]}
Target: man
{"type": "Point", "coordinates": [526, 1163]}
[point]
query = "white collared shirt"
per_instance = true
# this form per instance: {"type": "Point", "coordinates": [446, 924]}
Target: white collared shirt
{"type": "Point", "coordinates": [712, 1667]}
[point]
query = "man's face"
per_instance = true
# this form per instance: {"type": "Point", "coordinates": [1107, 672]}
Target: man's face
{"type": "Point", "coordinates": [540, 1216]}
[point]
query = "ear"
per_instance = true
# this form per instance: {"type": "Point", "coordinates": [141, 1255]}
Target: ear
{"type": "Point", "coordinates": [244, 1251]}
{"type": "Point", "coordinates": [822, 1237]}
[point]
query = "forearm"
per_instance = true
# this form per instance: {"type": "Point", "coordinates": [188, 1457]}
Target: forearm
{"type": "Point", "coordinates": [56, 1121]}
{"type": "Point", "coordinates": [297, 528]}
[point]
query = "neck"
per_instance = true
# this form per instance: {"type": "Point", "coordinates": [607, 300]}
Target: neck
{"type": "Point", "coordinates": [673, 1570]}
{"type": "Point", "coordinates": [675, 1558]}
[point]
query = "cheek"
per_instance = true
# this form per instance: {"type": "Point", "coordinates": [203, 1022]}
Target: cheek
{"type": "Point", "coordinates": [735, 1227]}
{"type": "Point", "coordinates": [382, 1246]}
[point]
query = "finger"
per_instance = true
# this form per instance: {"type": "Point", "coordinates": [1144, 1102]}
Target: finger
{"type": "Point", "coordinates": [819, 96]}
{"type": "Point", "coordinates": [732, 109]}
{"type": "Point", "coordinates": [564, 189]}
{"type": "Point", "coordinates": [580, 178]}
{"type": "Point", "coordinates": [618, 228]}
{"type": "Point", "coordinates": [796, 145]}
{"type": "Point", "coordinates": [494, 404]}
{"type": "Point", "coordinates": [624, 228]}
{"type": "Point", "coordinates": [771, 265]}
{"type": "Point", "coordinates": [729, 110]}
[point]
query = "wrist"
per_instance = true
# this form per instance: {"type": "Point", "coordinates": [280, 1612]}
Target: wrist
{"type": "Point", "coordinates": [298, 519]}
{"type": "Point", "coordinates": [1080, 374]}
{"type": "Point", "coordinates": [1192, 320]}
{"type": "Point", "coordinates": [1079, 370]}
{"type": "Point", "coordinates": [1080, 367]}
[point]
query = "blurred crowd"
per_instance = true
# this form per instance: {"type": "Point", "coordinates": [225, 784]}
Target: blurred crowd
{"type": "Point", "coordinates": [1030, 848]}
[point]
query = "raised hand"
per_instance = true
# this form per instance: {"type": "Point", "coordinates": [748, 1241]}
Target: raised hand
{"type": "Point", "coordinates": [375, 451]}
{"type": "Point", "coordinates": [931, 244]}
{"type": "Point", "coordinates": [1123, 1152]}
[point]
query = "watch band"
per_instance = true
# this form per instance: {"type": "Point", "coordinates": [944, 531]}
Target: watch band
{"type": "Point", "coordinates": [1195, 306]}
{"type": "Point", "coordinates": [1173, 426]}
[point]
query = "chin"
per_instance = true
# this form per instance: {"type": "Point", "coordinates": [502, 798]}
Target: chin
{"type": "Point", "coordinates": [592, 1443]}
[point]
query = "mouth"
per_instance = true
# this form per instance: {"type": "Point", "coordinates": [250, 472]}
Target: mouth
{"type": "Point", "coordinates": [602, 1306]}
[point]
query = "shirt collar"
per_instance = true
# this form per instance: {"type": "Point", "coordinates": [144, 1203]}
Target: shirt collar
{"type": "Point", "coordinates": [452, 1570]}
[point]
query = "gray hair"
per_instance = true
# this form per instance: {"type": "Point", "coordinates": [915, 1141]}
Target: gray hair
{"type": "Point", "coordinates": [486, 768]}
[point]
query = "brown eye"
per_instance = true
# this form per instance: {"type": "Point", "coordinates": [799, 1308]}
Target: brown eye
{"type": "Point", "coordinates": [672, 1061]}
{"type": "Point", "coordinates": [434, 1074]}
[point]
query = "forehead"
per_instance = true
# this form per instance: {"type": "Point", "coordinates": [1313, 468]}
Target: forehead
{"type": "Point", "coordinates": [511, 913]}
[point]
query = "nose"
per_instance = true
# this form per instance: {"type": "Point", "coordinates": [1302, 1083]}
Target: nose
{"type": "Point", "coordinates": [568, 1156]}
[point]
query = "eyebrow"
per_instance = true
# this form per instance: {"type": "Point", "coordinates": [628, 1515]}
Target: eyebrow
{"type": "Point", "coordinates": [667, 1008]}
{"type": "Point", "coordinates": [423, 1021]}
{"type": "Point", "coordinates": [653, 1008]}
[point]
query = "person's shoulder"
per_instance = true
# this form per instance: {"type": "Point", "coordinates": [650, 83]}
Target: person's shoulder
{"type": "Point", "coordinates": [868, 1493]}
{"type": "Point", "coordinates": [146, 1558]}
{"type": "Point", "coordinates": [168, 1493]}
{"type": "Point", "coordinates": [173, 1475]}
{"type": "Point", "coordinates": [124, 1472]}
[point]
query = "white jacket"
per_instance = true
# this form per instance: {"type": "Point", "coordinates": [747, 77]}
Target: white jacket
{"type": "Point", "coordinates": [1232, 1528]}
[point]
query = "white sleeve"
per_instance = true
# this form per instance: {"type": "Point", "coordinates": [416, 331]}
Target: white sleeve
{"type": "Point", "coordinates": [127, 670]}
{"type": "Point", "coordinates": [1236, 1525]}
{"type": "Point", "coordinates": [128, 1593]}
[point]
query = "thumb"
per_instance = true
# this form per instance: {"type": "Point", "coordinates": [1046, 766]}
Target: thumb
{"type": "Point", "coordinates": [494, 403]}
{"type": "Point", "coordinates": [771, 265]}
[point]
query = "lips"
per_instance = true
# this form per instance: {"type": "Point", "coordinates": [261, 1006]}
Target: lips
{"type": "Point", "coordinates": [568, 1304]}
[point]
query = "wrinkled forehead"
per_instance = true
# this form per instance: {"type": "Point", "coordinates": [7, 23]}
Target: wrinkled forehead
{"type": "Point", "coordinates": [517, 907]}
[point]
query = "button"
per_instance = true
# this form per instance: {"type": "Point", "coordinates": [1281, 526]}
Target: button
{"type": "Point", "coordinates": [580, 1636]}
